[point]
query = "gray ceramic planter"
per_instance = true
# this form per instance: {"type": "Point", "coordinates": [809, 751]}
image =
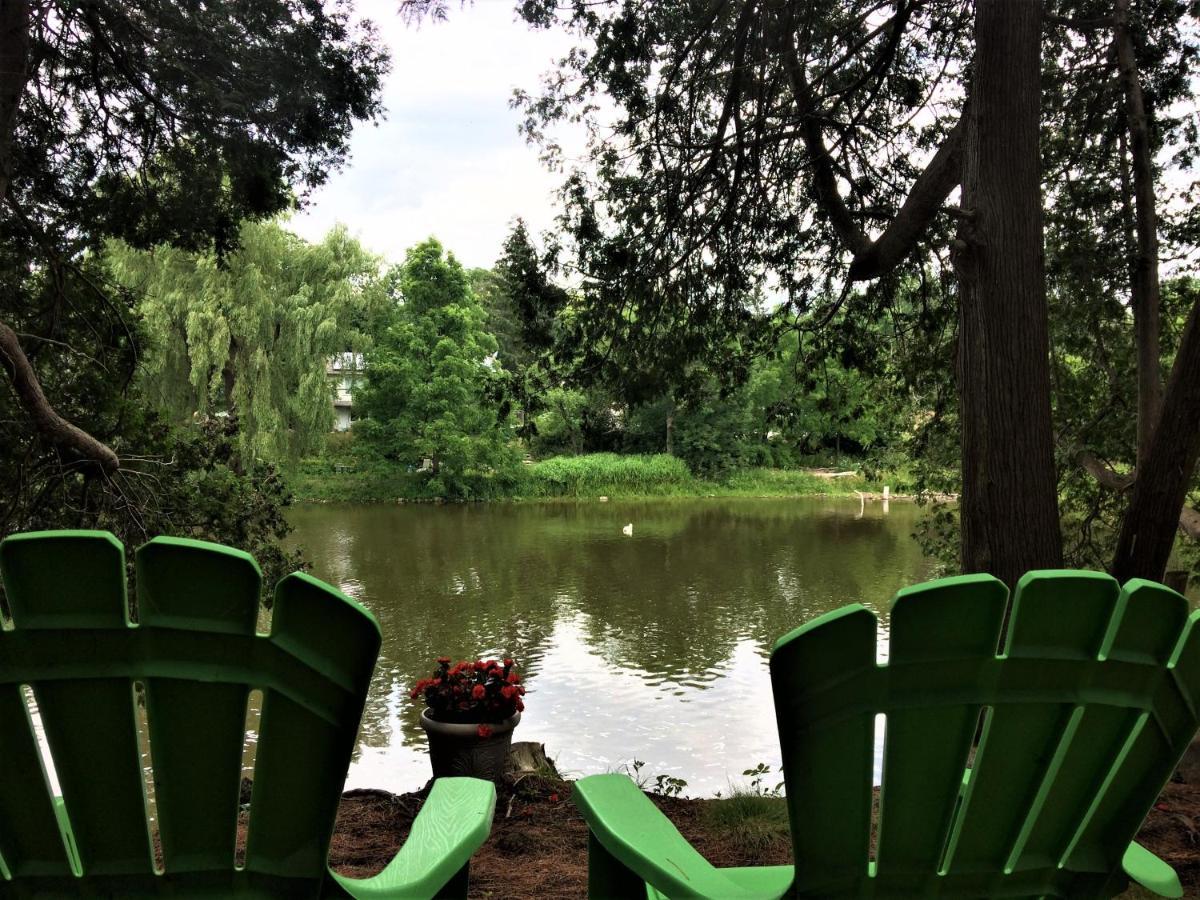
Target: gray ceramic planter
{"type": "Point", "coordinates": [456, 749]}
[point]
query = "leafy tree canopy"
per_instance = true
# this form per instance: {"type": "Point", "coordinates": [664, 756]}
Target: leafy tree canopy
{"type": "Point", "coordinates": [250, 333]}
{"type": "Point", "coordinates": [433, 384]}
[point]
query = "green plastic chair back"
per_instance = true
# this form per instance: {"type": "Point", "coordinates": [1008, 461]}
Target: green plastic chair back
{"type": "Point", "coordinates": [195, 652]}
{"type": "Point", "coordinates": [1082, 708]}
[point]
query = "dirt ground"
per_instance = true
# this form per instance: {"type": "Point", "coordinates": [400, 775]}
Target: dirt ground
{"type": "Point", "coordinates": [538, 845]}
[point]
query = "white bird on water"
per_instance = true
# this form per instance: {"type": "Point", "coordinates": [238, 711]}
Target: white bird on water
{"type": "Point", "coordinates": [628, 530]}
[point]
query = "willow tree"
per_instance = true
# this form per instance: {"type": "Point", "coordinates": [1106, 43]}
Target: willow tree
{"type": "Point", "coordinates": [249, 333]}
{"type": "Point", "coordinates": [158, 123]}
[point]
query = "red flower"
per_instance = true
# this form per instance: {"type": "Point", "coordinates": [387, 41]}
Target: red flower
{"type": "Point", "coordinates": [464, 692]}
{"type": "Point", "coordinates": [554, 798]}
{"type": "Point", "coordinates": [484, 731]}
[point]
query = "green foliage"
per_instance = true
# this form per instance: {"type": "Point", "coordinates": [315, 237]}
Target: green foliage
{"type": "Point", "coordinates": [158, 123]}
{"type": "Point", "coordinates": [753, 822]}
{"type": "Point", "coordinates": [607, 474]}
{"type": "Point", "coordinates": [251, 332]}
{"type": "Point", "coordinates": [561, 424]}
{"type": "Point", "coordinates": [433, 385]}
{"type": "Point", "coordinates": [577, 477]}
{"type": "Point", "coordinates": [662, 784]}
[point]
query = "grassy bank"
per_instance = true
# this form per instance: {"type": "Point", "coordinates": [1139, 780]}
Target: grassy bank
{"type": "Point", "coordinates": [574, 477]}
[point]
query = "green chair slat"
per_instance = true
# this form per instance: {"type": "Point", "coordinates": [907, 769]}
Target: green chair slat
{"type": "Point", "coordinates": [926, 749]}
{"type": "Point", "coordinates": [196, 727]}
{"type": "Point", "coordinates": [91, 730]}
{"type": "Point", "coordinates": [36, 847]}
{"type": "Point", "coordinates": [65, 579]}
{"type": "Point", "coordinates": [827, 762]}
{"type": "Point", "coordinates": [1055, 616]}
{"type": "Point", "coordinates": [1147, 757]}
{"type": "Point", "coordinates": [301, 759]}
{"type": "Point", "coordinates": [1145, 629]}
{"type": "Point", "coordinates": [76, 580]}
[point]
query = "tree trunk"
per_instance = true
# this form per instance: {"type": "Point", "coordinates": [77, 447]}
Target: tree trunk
{"type": "Point", "coordinates": [1144, 269]}
{"type": "Point", "coordinates": [229, 377]}
{"type": "Point", "coordinates": [1149, 527]}
{"type": "Point", "coordinates": [1009, 504]}
{"type": "Point", "coordinates": [671, 428]}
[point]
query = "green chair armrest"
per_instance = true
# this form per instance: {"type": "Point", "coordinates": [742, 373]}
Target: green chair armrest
{"type": "Point", "coordinates": [639, 837]}
{"type": "Point", "coordinates": [454, 822]}
{"type": "Point", "coordinates": [1151, 872]}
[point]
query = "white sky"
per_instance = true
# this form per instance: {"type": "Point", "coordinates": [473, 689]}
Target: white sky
{"type": "Point", "coordinates": [447, 160]}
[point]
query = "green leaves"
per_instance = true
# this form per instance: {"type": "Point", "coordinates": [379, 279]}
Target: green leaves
{"type": "Point", "coordinates": [252, 333]}
{"type": "Point", "coordinates": [431, 375]}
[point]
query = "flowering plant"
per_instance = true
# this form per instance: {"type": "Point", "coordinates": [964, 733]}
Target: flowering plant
{"type": "Point", "coordinates": [469, 692]}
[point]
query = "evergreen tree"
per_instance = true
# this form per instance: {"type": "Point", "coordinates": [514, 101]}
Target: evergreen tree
{"type": "Point", "coordinates": [432, 378]}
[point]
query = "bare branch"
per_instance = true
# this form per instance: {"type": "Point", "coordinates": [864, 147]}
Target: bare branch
{"type": "Point", "coordinates": [1104, 475]}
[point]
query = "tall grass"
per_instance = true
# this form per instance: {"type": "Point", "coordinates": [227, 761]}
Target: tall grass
{"type": "Point", "coordinates": [751, 821]}
{"type": "Point", "coordinates": [606, 474]}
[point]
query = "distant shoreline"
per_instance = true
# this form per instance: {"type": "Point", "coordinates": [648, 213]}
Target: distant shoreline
{"type": "Point", "coordinates": [594, 477]}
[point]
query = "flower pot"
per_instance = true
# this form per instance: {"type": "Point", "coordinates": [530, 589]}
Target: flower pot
{"type": "Point", "coordinates": [457, 749]}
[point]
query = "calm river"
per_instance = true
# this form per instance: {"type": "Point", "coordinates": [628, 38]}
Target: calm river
{"type": "Point", "coordinates": [651, 646]}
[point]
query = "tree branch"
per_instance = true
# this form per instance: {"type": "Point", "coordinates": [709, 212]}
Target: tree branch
{"type": "Point", "coordinates": [49, 424]}
{"type": "Point", "coordinates": [1189, 523]}
{"type": "Point", "coordinates": [943, 173]}
{"type": "Point", "coordinates": [14, 75]}
{"type": "Point", "coordinates": [1105, 476]}
{"type": "Point", "coordinates": [928, 193]}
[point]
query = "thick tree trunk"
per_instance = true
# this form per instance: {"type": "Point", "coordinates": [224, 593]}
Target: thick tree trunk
{"type": "Point", "coordinates": [1145, 286]}
{"type": "Point", "coordinates": [1009, 507]}
{"type": "Point", "coordinates": [1149, 527]}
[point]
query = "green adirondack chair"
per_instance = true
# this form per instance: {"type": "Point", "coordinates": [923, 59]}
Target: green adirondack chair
{"type": "Point", "coordinates": [195, 653]}
{"type": "Point", "coordinates": [1081, 721]}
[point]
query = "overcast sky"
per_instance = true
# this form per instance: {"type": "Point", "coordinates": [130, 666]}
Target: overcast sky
{"type": "Point", "coordinates": [447, 160]}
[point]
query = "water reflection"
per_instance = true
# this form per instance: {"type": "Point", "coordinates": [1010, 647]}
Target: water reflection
{"type": "Point", "coordinates": [651, 646]}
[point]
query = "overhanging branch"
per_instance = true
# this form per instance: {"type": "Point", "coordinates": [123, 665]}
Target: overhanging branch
{"type": "Point", "coordinates": [940, 177]}
{"type": "Point", "coordinates": [49, 424]}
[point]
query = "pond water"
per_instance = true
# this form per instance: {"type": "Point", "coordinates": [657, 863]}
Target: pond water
{"type": "Point", "coordinates": [650, 646]}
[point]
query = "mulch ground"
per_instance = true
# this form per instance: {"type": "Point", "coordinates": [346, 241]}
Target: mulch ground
{"type": "Point", "coordinates": [538, 845]}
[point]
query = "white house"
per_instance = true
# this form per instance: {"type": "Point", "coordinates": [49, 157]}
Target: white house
{"type": "Point", "coordinates": [343, 369]}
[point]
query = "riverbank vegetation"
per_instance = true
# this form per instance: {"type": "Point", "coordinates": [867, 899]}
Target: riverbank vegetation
{"type": "Point", "coordinates": [591, 476]}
